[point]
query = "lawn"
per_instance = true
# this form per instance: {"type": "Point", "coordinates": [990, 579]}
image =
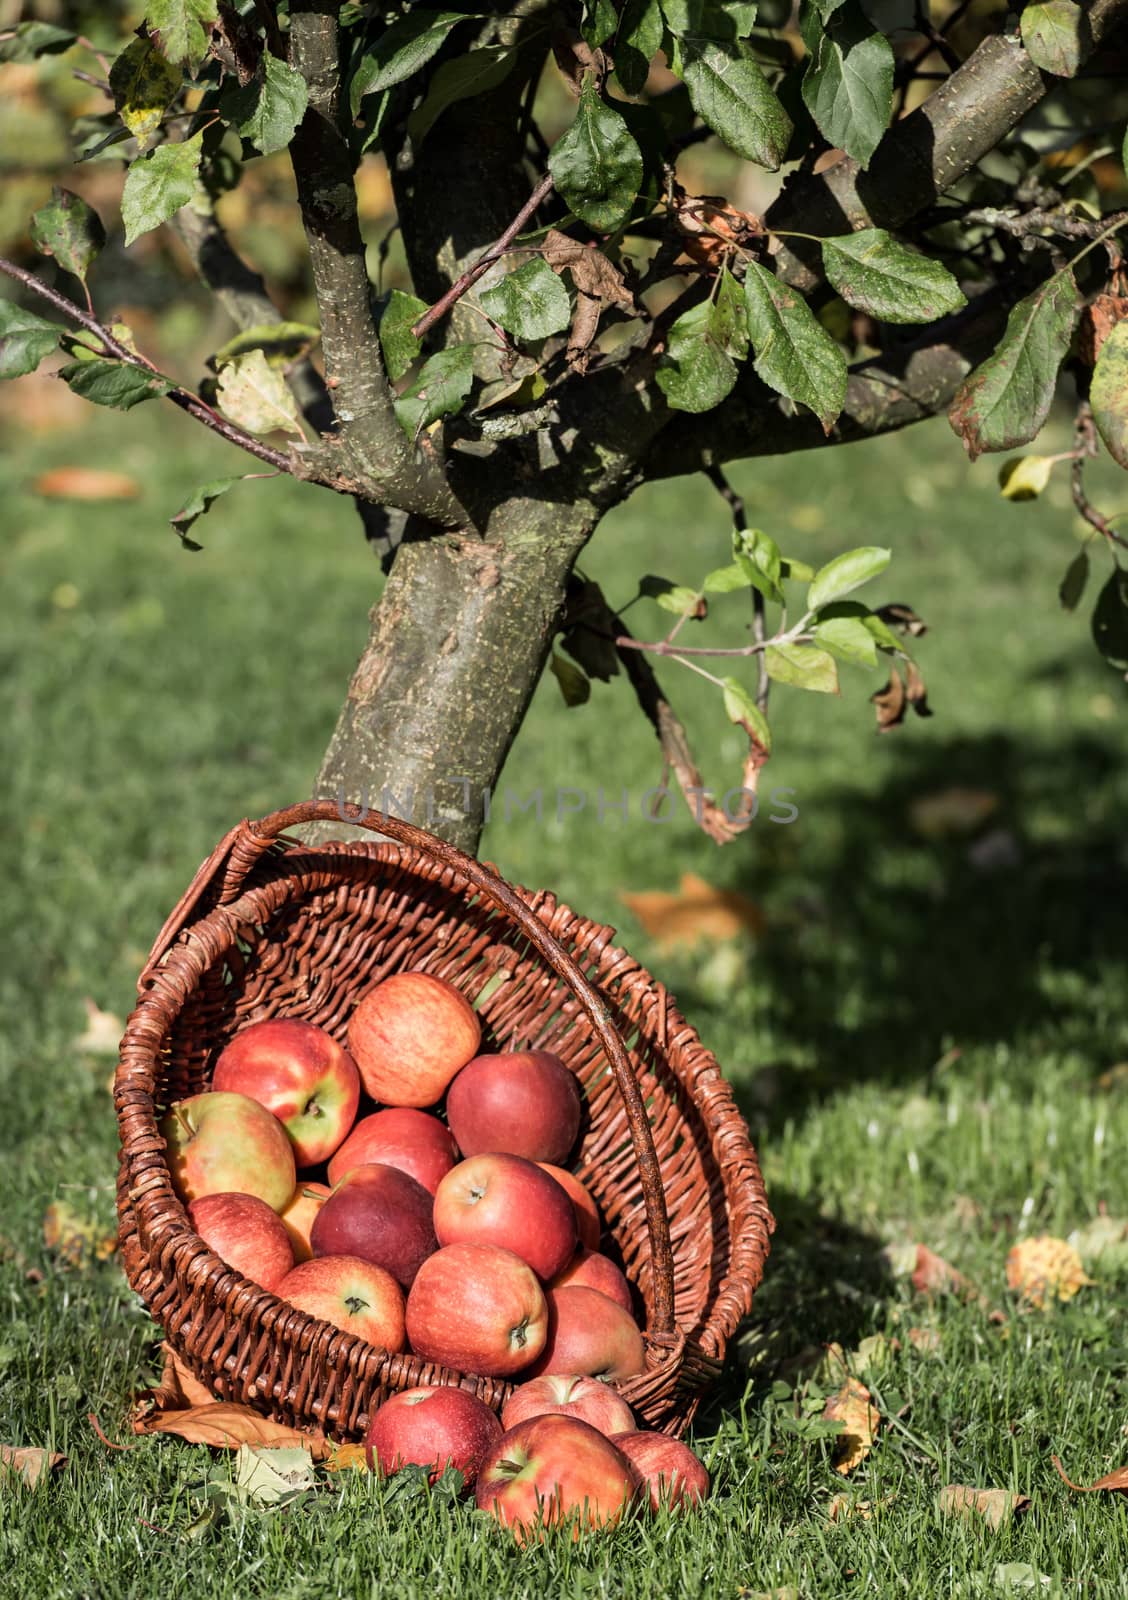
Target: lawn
{"type": "Point", "coordinates": [921, 1037]}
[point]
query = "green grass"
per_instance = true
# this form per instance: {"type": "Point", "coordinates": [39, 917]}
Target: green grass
{"type": "Point", "coordinates": [916, 1039]}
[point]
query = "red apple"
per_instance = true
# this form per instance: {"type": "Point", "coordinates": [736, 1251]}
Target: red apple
{"type": "Point", "coordinates": [552, 1470]}
{"type": "Point", "coordinates": [588, 1219]}
{"type": "Point", "coordinates": [402, 1137]}
{"type": "Point", "coordinates": [499, 1199]}
{"type": "Point", "coordinates": [522, 1103]}
{"type": "Point", "coordinates": [305, 1202]}
{"type": "Point", "coordinates": [410, 1035]}
{"type": "Point", "coordinates": [669, 1471]}
{"type": "Point", "coordinates": [246, 1233]}
{"type": "Point", "coordinates": [301, 1074]}
{"type": "Point", "coordinates": [432, 1428]}
{"type": "Point", "coordinates": [380, 1214]}
{"type": "Point", "coordinates": [589, 1270]}
{"type": "Point", "coordinates": [589, 1334]}
{"type": "Point", "coordinates": [350, 1293]}
{"type": "Point", "coordinates": [569, 1396]}
{"type": "Point", "coordinates": [228, 1144]}
{"type": "Point", "coordinates": [477, 1308]}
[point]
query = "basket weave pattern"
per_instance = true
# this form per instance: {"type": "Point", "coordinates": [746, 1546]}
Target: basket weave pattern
{"type": "Point", "coordinates": [271, 928]}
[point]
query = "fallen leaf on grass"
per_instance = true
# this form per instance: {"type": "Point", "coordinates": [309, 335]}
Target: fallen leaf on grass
{"type": "Point", "coordinates": [788, 1592]}
{"type": "Point", "coordinates": [1045, 1268]}
{"type": "Point", "coordinates": [933, 1275]}
{"type": "Point", "coordinates": [994, 1506]}
{"type": "Point", "coordinates": [860, 1418]}
{"type": "Point", "coordinates": [27, 1463]}
{"type": "Point", "coordinates": [873, 1353]}
{"type": "Point", "coordinates": [697, 911]}
{"type": "Point", "coordinates": [86, 483]}
{"type": "Point", "coordinates": [1011, 1575]}
{"type": "Point", "coordinates": [103, 1031]}
{"type": "Point", "coordinates": [842, 1508]}
{"type": "Point", "coordinates": [75, 1240]}
{"type": "Point", "coordinates": [225, 1426]}
{"type": "Point", "coordinates": [345, 1458]}
{"type": "Point", "coordinates": [952, 811]}
{"type": "Point", "coordinates": [267, 1477]}
{"type": "Point", "coordinates": [179, 1388]}
{"type": "Point", "coordinates": [1104, 1242]}
{"type": "Point", "coordinates": [924, 1340]}
{"type": "Point", "coordinates": [1115, 1077]}
{"type": "Point", "coordinates": [1117, 1480]}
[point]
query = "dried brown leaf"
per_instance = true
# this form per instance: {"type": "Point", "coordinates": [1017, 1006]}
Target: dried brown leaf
{"type": "Point", "coordinates": [933, 1275]}
{"type": "Point", "coordinates": [599, 283]}
{"type": "Point", "coordinates": [925, 1340]}
{"type": "Point", "coordinates": [995, 1506]}
{"type": "Point", "coordinates": [86, 483]}
{"type": "Point", "coordinates": [225, 1426]}
{"type": "Point", "coordinates": [854, 1408]}
{"type": "Point", "coordinates": [890, 702]}
{"type": "Point", "coordinates": [1117, 1481]}
{"type": "Point", "coordinates": [697, 911]}
{"type": "Point", "coordinates": [1045, 1268]}
{"type": "Point", "coordinates": [27, 1464]}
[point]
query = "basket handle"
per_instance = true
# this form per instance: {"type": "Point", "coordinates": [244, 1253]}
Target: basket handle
{"type": "Point", "coordinates": [241, 848]}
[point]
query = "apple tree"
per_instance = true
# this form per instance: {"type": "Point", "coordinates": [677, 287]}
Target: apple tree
{"type": "Point", "coordinates": [579, 323]}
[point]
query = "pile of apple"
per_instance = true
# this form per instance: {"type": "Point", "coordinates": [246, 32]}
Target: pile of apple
{"type": "Point", "coordinates": [489, 1264]}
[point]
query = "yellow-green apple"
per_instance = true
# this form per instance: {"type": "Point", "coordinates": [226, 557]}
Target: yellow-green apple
{"type": "Point", "coordinates": [589, 1334]}
{"type": "Point", "coordinates": [502, 1199]}
{"type": "Point", "coordinates": [301, 1074]}
{"type": "Point", "coordinates": [553, 1470]}
{"type": "Point", "coordinates": [246, 1233]}
{"type": "Point", "coordinates": [588, 1219]}
{"type": "Point", "coordinates": [228, 1144]}
{"type": "Point", "coordinates": [669, 1473]}
{"type": "Point", "coordinates": [566, 1395]}
{"type": "Point", "coordinates": [410, 1035]}
{"type": "Point", "coordinates": [351, 1294]}
{"type": "Point", "coordinates": [414, 1141]}
{"type": "Point", "coordinates": [589, 1270]}
{"type": "Point", "coordinates": [478, 1308]}
{"type": "Point", "coordinates": [434, 1428]}
{"type": "Point", "coordinates": [380, 1214]}
{"type": "Point", "coordinates": [523, 1102]}
{"type": "Point", "coordinates": [305, 1202]}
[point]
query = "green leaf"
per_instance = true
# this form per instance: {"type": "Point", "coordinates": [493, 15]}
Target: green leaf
{"type": "Point", "coordinates": [441, 389]}
{"type": "Point", "coordinates": [158, 184]}
{"type": "Point", "coordinates": [883, 634]}
{"type": "Point", "coordinates": [530, 303]}
{"type": "Point", "coordinates": [600, 22]}
{"type": "Point", "coordinates": [401, 50]}
{"type": "Point", "coordinates": [1054, 35]}
{"type": "Point", "coordinates": [848, 638]}
{"type": "Point", "coordinates": [637, 42]}
{"type": "Point", "coordinates": [1072, 586]}
{"type": "Point", "coordinates": [460, 79]}
{"type": "Point", "coordinates": [730, 94]}
{"type": "Point", "coordinates": [597, 164]}
{"type": "Point", "coordinates": [575, 685]}
{"type": "Point", "coordinates": [198, 503]}
{"type": "Point", "coordinates": [1005, 401]}
{"type": "Point", "coordinates": [25, 339]}
{"type": "Point", "coordinates": [1108, 393]}
{"type": "Point", "coordinates": [794, 354]}
{"type": "Point", "coordinates": [757, 555]}
{"type": "Point", "coordinates": [801, 571]}
{"type": "Point", "coordinates": [70, 230]}
{"type": "Point", "coordinates": [845, 573]}
{"type": "Point", "coordinates": [677, 598]}
{"type": "Point", "coordinates": [399, 344]}
{"type": "Point", "coordinates": [144, 85]}
{"type": "Point", "coordinates": [268, 111]}
{"type": "Point", "coordinates": [1024, 477]}
{"type": "Point", "coordinates": [255, 395]}
{"type": "Point", "coordinates": [181, 28]}
{"type": "Point", "coordinates": [803, 665]}
{"type": "Point", "coordinates": [1110, 620]}
{"type": "Point", "coordinates": [34, 39]}
{"type": "Point", "coordinates": [848, 84]}
{"type": "Point", "coordinates": [697, 372]}
{"type": "Point", "coordinates": [280, 342]}
{"type": "Point", "coordinates": [726, 580]}
{"type": "Point", "coordinates": [118, 384]}
{"type": "Point", "coordinates": [878, 274]}
{"type": "Point", "coordinates": [743, 710]}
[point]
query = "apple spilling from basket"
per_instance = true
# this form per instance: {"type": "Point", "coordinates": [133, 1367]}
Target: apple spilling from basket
{"type": "Point", "coordinates": [467, 1242]}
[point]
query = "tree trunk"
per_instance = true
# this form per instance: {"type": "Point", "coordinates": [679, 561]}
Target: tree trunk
{"type": "Point", "coordinates": [458, 641]}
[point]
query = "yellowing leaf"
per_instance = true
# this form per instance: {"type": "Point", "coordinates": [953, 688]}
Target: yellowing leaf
{"type": "Point", "coordinates": [346, 1458]}
{"type": "Point", "coordinates": [697, 911]}
{"type": "Point", "coordinates": [26, 1464]}
{"type": "Point", "coordinates": [225, 1426]}
{"type": "Point", "coordinates": [1024, 477]}
{"type": "Point", "coordinates": [86, 483]}
{"type": "Point", "coordinates": [860, 1418]}
{"type": "Point", "coordinates": [952, 811]}
{"type": "Point", "coordinates": [995, 1506]}
{"type": "Point", "coordinates": [73, 1238]}
{"type": "Point", "coordinates": [256, 396]}
{"type": "Point", "coordinates": [1043, 1269]}
{"type": "Point", "coordinates": [144, 85]}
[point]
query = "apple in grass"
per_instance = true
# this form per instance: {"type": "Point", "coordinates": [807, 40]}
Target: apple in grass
{"type": "Point", "coordinates": [589, 1270]}
{"type": "Point", "coordinates": [301, 1074]}
{"type": "Point", "coordinates": [434, 1428]}
{"type": "Point", "coordinates": [352, 1295]}
{"type": "Point", "coordinates": [410, 1035]}
{"type": "Point", "coordinates": [414, 1141]}
{"type": "Point", "coordinates": [566, 1395]}
{"type": "Point", "coordinates": [305, 1202]}
{"type": "Point", "coordinates": [669, 1472]}
{"type": "Point", "coordinates": [551, 1470]}
{"type": "Point", "coordinates": [477, 1308]}
{"type": "Point", "coordinates": [588, 1220]}
{"type": "Point", "coordinates": [221, 1143]}
{"type": "Point", "coordinates": [246, 1233]}
{"type": "Point", "coordinates": [591, 1335]}
{"type": "Point", "coordinates": [522, 1102]}
{"type": "Point", "coordinates": [380, 1214]}
{"type": "Point", "coordinates": [505, 1200]}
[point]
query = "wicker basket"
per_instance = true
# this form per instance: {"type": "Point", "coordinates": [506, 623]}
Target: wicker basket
{"type": "Point", "coordinates": [269, 927]}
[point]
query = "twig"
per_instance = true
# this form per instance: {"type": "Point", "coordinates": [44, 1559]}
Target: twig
{"type": "Point", "coordinates": [735, 504]}
{"type": "Point", "coordinates": [184, 398]}
{"type": "Point", "coordinates": [1085, 448]}
{"type": "Point", "coordinates": [1041, 220]}
{"type": "Point", "coordinates": [486, 260]}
